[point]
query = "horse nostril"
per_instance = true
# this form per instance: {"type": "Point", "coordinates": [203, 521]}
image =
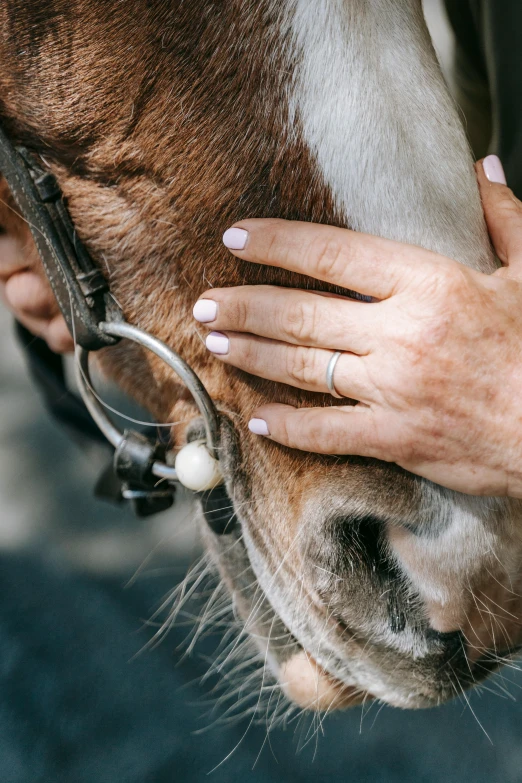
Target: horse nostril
{"type": "Point", "coordinates": [450, 641]}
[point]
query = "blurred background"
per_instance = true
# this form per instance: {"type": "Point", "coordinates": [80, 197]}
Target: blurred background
{"type": "Point", "coordinates": [85, 699]}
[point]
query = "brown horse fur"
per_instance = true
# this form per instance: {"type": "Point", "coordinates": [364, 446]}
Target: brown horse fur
{"type": "Point", "coordinates": [167, 121]}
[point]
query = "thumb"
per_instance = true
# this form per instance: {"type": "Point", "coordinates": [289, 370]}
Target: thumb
{"type": "Point", "coordinates": [503, 212]}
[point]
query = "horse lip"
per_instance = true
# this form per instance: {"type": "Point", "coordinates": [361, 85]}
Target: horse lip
{"type": "Point", "coordinates": [309, 685]}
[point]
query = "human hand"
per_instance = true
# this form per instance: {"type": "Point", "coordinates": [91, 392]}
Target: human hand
{"type": "Point", "coordinates": [27, 293]}
{"type": "Point", "coordinates": [435, 364]}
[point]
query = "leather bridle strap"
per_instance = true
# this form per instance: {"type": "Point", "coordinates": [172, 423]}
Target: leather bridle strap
{"type": "Point", "coordinates": [81, 290]}
{"type": "Point", "coordinates": [96, 321]}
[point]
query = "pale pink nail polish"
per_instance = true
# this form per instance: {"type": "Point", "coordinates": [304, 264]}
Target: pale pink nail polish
{"type": "Point", "coordinates": [258, 427]}
{"type": "Point", "coordinates": [494, 170]}
{"type": "Point", "coordinates": [205, 311]}
{"type": "Point", "coordinates": [217, 342]}
{"type": "Point", "coordinates": [235, 238]}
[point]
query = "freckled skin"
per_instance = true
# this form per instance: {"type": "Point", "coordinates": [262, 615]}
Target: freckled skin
{"type": "Point", "coordinates": [435, 359]}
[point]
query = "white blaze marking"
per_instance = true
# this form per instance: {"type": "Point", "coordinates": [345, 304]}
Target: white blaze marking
{"type": "Point", "coordinates": [377, 117]}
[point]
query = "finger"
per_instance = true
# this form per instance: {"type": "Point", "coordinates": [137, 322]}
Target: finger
{"type": "Point", "coordinates": [12, 256]}
{"type": "Point", "coordinates": [37, 326]}
{"type": "Point", "coordinates": [27, 293]}
{"type": "Point", "coordinates": [339, 430]}
{"type": "Point", "coordinates": [359, 262]}
{"type": "Point", "coordinates": [298, 366]}
{"type": "Point", "coordinates": [503, 213]}
{"type": "Point", "coordinates": [292, 316]}
{"type": "Point", "coordinates": [58, 337]}
{"type": "Point", "coordinates": [54, 331]}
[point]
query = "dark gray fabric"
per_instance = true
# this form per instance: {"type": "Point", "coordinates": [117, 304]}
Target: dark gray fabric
{"type": "Point", "coordinates": [489, 53]}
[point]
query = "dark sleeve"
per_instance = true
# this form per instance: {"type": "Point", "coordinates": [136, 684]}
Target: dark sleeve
{"type": "Point", "coordinates": [47, 371]}
{"type": "Point", "coordinates": [489, 51]}
{"type": "Point", "coordinates": [465, 17]}
{"type": "Point", "coordinates": [470, 72]}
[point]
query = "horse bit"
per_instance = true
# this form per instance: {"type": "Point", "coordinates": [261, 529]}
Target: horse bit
{"type": "Point", "coordinates": [143, 466]}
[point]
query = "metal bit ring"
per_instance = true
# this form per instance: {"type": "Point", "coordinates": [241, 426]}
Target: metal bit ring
{"type": "Point", "coordinates": [187, 375]}
{"type": "Point", "coordinates": [330, 370]}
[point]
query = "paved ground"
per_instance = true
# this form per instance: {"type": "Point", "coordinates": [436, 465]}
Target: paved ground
{"type": "Point", "coordinates": [78, 706]}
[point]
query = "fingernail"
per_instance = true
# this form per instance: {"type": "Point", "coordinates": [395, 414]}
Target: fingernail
{"type": "Point", "coordinates": [258, 427]}
{"type": "Point", "coordinates": [235, 238]}
{"type": "Point", "coordinates": [494, 170]}
{"type": "Point", "coordinates": [217, 342]}
{"type": "Point", "coordinates": [205, 310]}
